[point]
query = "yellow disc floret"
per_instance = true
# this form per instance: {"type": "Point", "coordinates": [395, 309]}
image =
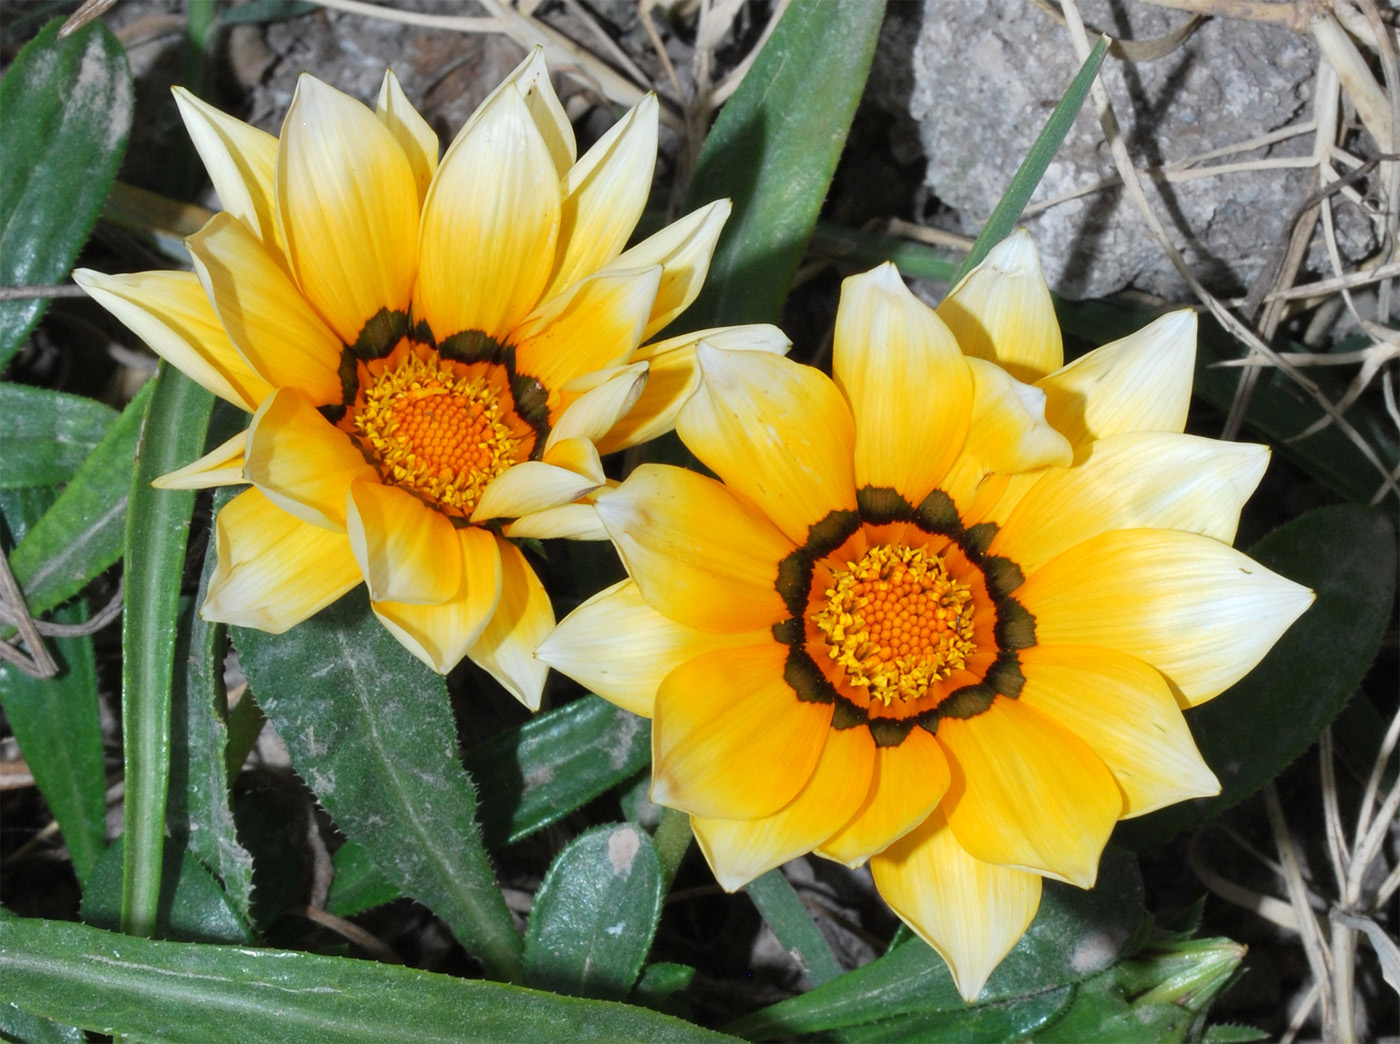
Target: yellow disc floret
{"type": "Point", "coordinates": [896, 622]}
{"type": "Point", "coordinates": [434, 432]}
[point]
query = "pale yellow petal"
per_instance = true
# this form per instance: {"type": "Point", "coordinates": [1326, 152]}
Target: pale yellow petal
{"type": "Point", "coordinates": [241, 161]}
{"type": "Point", "coordinates": [221, 466]}
{"type": "Point", "coordinates": [274, 570]}
{"type": "Point", "coordinates": [1139, 383]}
{"type": "Point", "coordinates": [971, 912]}
{"type": "Point", "coordinates": [729, 737]}
{"type": "Point", "coordinates": [490, 224]}
{"type": "Point", "coordinates": [1200, 612]}
{"type": "Point", "coordinates": [579, 456]}
{"type": "Point", "coordinates": [777, 432]}
{"type": "Point", "coordinates": [524, 617]}
{"type": "Point", "coordinates": [592, 414]}
{"type": "Point", "coordinates": [528, 487]}
{"type": "Point", "coordinates": [531, 80]}
{"type": "Point", "coordinates": [909, 386]}
{"type": "Point", "coordinates": [170, 312]}
{"type": "Point", "coordinates": [673, 377]}
{"type": "Point", "coordinates": [410, 130]}
{"type": "Point", "coordinates": [440, 635]}
{"type": "Point", "coordinates": [698, 553]}
{"type": "Point", "coordinates": [1124, 710]}
{"type": "Point", "coordinates": [683, 250]}
{"type": "Point", "coordinates": [348, 206]}
{"type": "Point", "coordinates": [907, 784]}
{"type": "Point", "coordinates": [566, 522]}
{"type": "Point", "coordinates": [1001, 311]}
{"type": "Point", "coordinates": [618, 646]}
{"type": "Point", "coordinates": [301, 462]}
{"type": "Point", "coordinates": [268, 320]}
{"type": "Point", "coordinates": [407, 551]}
{"type": "Point", "coordinates": [738, 850]}
{"type": "Point", "coordinates": [1143, 480]}
{"type": "Point", "coordinates": [604, 194]}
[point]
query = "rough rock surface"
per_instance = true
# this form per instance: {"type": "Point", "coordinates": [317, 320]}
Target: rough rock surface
{"type": "Point", "coordinates": [983, 75]}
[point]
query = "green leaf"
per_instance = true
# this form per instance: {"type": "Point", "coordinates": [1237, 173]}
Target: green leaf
{"type": "Point", "coordinates": [595, 914]}
{"type": "Point", "coordinates": [190, 992]}
{"type": "Point", "coordinates": [192, 906]}
{"type": "Point", "coordinates": [370, 729]}
{"type": "Point", "coordinates": [81, 535]}
{"type": "Point", "coordinates": [65, 110]}
{"type": "Point", "coordinates": [1074, 935]}
{"type": "Point", "coordinates": [1252, 731]}
{"type": "Point", "coordinates": [993, 1023]}
{"type": "Point", "coordinates": [773, 151]}
{"type": "Point", "coordinates": [780, 906]}
{"type": "Point", "coordinates": [538, 773]}
{"type": "Point", "coordinates": [34, 1029]}
{"type": "Point", "coordinates": [357, 885]}
{"type": "Point", "coordinates": [1032, 169]}
{"type": "Point", "coordinates": [200, 816]}
{"type": "Point", "coordinates": [157, 528]}
{"type": "Point", "coordinates": [47, 434]}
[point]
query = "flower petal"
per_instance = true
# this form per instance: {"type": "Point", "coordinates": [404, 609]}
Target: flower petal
{"type": "Point", "coordinates": [407, 551]}
{"type": "Point", "coordinates": [579, 456]}
{"type": "Point", "coordinates": [618, 646]}
{"type": "Point", "coordinates": [738, 850]}
{"type": "Point", "coordinates": [907, 784]}
{"type": "Point", "coordinates": [222, 466]}
{"type": "Point", "coordinates": [348, 206]}
{"type": "Point", "coordinates": [596, 324]}
{"type": "Point", "coordinates": [241, 161]}
{"type": "Point", "coordinates": [1027, 793]}
{"type": "Point", "coordinates": [1139, 383]}
{"type": "Point", "coordinates": [604, 194]}
{"type": "Point", "coordinates": [274, 570]}
{"type": "Point", "coordinates": [909, 386]}
{"type": "Point", "coordinates": [971, 912]}
{"type": "Point", "coordinates": [683, 250]}
{"type": "Point", "coordinates": [530, 486]}
{"type": "Point", "coordinates": [698, 553]}
{"type": "Point", "coordinates": [265, 315]}
{"type": "Point", "coordinates": [492, 214]}
{"type": "Point", "coordinates": [1156, 480]}
{"type": "Point", "coordinates": [169, 311]}
{"type": "Point", "coordinates": [1002, 312]}
{"type": "Point", "coordinates": [506, 648]}
{"type": "Point", "coordinates": [673, 377]}
{"type": "Point", "coordinates": [592, 414]}
{"type": "Point", "coordinates": [440, 635]}
{"type": "Point", "coordinates": [410, 130]}
{"type": "Point", "coordinates": [301, 462]}
{"type": "Point", "coordinates": [1200, 612]}
{"type": "Point", "coordinates": [566, 522]}
{"type": "Point", "coordinates": [531, 80]}
{"type": "Point", "coordinates": [1124, 710]}
{"type": "Point", "coordinates": [776, 432]}
{"type": "Point", "coordinates": [730, 739]}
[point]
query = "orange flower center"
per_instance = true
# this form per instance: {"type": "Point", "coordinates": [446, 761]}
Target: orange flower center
{"type": "Point", "coordinates": [434, 432]}
{"type": "Point", "coordinates": [896, 622]}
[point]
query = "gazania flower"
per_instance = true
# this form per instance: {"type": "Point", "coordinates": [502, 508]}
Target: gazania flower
{"type": "Point", "coordinates": [432, 352]}
{"type": "Point", "coordinates": [933, 617]}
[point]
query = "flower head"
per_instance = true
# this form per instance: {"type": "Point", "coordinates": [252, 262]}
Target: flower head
{"type": "Point", "coordinates": [931, 616]}
{"type": "Point", "coordinates": [433, 353]}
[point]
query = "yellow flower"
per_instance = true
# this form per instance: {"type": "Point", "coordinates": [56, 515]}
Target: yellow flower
{"type": "Point", "coordinates": [434, 354]}
{"type": "Point", "coordinates": [932, 616]}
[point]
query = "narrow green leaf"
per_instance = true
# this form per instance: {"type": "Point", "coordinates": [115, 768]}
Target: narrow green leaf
{"type": "Point", "coordinates": [536, 774]}
{"type": "Point", "coordinates": [1075, 934]}
{"type": "Point", "coordinates": [81, 535]}
{"type": "Point", "coordinates": [595, 914]}
{"type": "Point", "coordinates": [190, 992]}
{"type": "Point", "coordinates": [65, 110]}
{"type": "Point", "coordinates": [1249, 733]}
{"type": "Point", "coordinates": [157, 528]}
{"type": "Point", "coordinates": [357, 885]}
{"type": "Point", "coordinates": [773, 150]}
{"type": "Point", "coordinates": [781, 907]}
{"type": "Point", "coordinates": [193, 908]}
{"type": "Point", "coordinates": [1023, 184]}
{"type": "Point", "coordinates": [47, 434]}
{"type": "Point", "coordinates": [370, 729]}
{"type": "Point", "coordinates": [25, 1028]}
{"type": "Point", "coordinates": [861, 249]}
{"type": "Point", "coordinates": [56, 721]}
{"type": "Point", "coordinates": [993, 1023]}
{"type": "Point", "coordinates": [200, 816]}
